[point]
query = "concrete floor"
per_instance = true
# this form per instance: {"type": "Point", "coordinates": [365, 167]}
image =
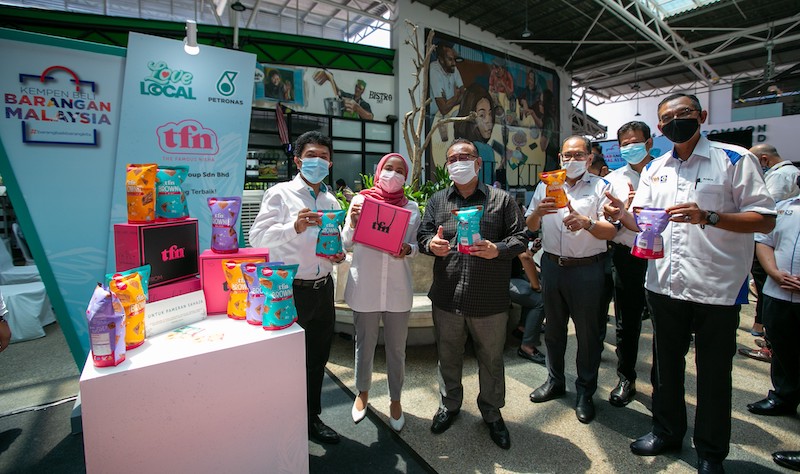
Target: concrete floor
{"type": "Point", "coordinates": [547, 437]}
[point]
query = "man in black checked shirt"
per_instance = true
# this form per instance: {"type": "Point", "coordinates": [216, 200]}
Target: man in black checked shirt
{"type": "Point", "coordinates": [470, 291]}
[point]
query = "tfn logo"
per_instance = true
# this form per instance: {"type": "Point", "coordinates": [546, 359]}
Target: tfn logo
{"type": "Point", "coordinates": [172, 253]}
{"type": "Point", "coordinates": [187, 136]}
{"type": "Point", "coordinates": [164, 81]}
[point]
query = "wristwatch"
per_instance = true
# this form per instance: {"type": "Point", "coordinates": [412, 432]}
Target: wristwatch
{"type": "Point", "coordinates": [592, 223]}
{"type": "Point", "coordinates": [712, 218]}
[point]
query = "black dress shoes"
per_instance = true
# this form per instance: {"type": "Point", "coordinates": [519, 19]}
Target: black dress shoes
{"type": "Point", "coordinates": [623, 393]}
{"type": "Point", "coordinates": [499, 434]}
{"type": "Point", "coordinates": [704, 466]}
{"type": "Point", "coordinates": [319, 431]}
{"type": "Point", "coordinates": [443, 419]}
{"type": "Point", "coordinates": [584, 409]}
{"type": "Point", "coordinates": [653, 445]}
{"type": "Point", "coordinates": [787, 459]}
{"type": "Point", "coordinates": [550, 390]}
{"type": "Point", "coordinates": [771, 407]}
{"type": "Point", "coordinates": [537, 357]}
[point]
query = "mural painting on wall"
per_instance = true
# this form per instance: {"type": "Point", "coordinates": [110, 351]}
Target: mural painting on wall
{"type": "Point", "coordinates": [516, 102]}
{"type": "Point", "coordinates": [336, 93]}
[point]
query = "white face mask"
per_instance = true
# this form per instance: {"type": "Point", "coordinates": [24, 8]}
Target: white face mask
{"type": "Point", "coordinates": [462, 172]}
{"type": "Point", "coordinates": [392, 181]}
{"type": "Point", "coordinates": [575, 168]}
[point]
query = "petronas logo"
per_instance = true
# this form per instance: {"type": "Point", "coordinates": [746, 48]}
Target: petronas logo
{"type": "Point", "coordinates": [225, 85]}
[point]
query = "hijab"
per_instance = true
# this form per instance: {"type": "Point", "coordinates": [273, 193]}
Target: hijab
{"type": "Point", "coordinates": [377, 192]}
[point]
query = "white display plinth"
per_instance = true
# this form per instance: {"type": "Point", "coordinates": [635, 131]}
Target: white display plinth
{"type": "Point", "coordinates": [230, 398]}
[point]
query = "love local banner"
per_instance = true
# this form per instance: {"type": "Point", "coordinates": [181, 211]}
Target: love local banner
{"type": "Point", "coordinates": [180, 109]}
{"type": "Point", "coordinates": [58, 131]}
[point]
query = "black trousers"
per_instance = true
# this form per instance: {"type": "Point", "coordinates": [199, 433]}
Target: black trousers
{"type": "Point", "coordinates": [715, 345]}
{"type": "Point", "coordinates": [629, 303]}
{"type": "Point", "coordinates": [759, 278]}
{"type": "Point", "coordinates": [782, 323]}
{"type": "Point", "coordinates": [316, 315]}
{"type": "Point", "coordinates": [575, 291]}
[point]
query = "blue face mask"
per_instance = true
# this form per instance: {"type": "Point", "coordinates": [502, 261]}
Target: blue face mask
{"type": "Point", "coordinates": [314, 170]}
{"type": "Point", "coordinates": [634, 153]}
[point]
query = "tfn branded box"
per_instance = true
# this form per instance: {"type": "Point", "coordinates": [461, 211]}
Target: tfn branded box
{"type": "Point", "coordinates": [171, 249]}
{"type": "Point", "coordinates": [176, 288]}
{"type": "Point", "coordinates": [212, 279]}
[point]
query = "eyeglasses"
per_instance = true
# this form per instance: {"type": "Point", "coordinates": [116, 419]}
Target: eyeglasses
{"type": "Point", "coordinates": [681, 114]}
{"type": "Point", "coordinates": [574, 156]}
{"type": "Point", "coordinates": [460, 157]}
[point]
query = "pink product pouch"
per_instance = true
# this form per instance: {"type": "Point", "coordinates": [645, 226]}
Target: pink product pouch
{"type": "Point", "coordinates": [106, 328]}
{"type": "Point", "coordinates": [224, 211]}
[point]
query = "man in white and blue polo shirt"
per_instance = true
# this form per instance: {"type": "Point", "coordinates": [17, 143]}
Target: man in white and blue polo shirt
{"type": "Point", "coordinates": [717, 199]}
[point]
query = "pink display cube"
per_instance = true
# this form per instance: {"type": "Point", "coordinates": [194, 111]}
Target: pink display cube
{"type": "Point", "coordinates": [171, 249]}
{"type": "Point", "coordinates": [213, 281]}
{"type": "Point", "coordinates": [177, 288]}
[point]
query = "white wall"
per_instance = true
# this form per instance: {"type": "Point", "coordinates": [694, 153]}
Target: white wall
{"type": "Point", "coordinates": [424, 17]}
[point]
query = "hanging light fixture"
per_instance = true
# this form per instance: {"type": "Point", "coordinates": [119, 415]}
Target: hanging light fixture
{"type": "Point", "coordinates": [636, 85]}
{"type": "Point", "coordinates": [190, 41]}
{"type": "Point", "coordinates": [238, 6]}
{"type": "Point", "coordinates": [526, 33]}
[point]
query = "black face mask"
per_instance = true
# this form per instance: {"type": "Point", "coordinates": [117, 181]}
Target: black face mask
{"type": "Point", "coordinates": [680, 130]}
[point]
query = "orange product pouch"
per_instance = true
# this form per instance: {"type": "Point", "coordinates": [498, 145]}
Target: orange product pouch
{"type": "Point", "coordinates": [555, 185]}
{"type": "Point", "coordinates": [237, 287]}
{"type": "Point", "coordinates": [128, 289]}
{"type": "Point", "coordinates": [140, 186]}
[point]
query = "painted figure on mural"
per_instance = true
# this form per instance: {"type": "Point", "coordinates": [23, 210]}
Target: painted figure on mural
{"type": "Point", "coordinates": [446, 86]}
{"type": "Point", "coordinates": [345, 104]}
{"type": "Point", "coordinates": [477, 99]}
{"type": "Point", "coordinates": [276, 87]}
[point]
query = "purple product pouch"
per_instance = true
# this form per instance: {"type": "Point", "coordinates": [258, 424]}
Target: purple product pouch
{"type": "Point", "coordinates": [224, 212]}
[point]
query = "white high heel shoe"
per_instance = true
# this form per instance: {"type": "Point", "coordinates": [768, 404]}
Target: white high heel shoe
{"type": "Point", "coordinates": [357, 414]}
{"type": "Point", "coordinates": [399, 423]}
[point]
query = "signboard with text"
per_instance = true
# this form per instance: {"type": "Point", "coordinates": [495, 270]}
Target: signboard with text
{"type": "Point", "coordinates": [179, 109]}
{"type": "Point", "coordinates": [61, 113]}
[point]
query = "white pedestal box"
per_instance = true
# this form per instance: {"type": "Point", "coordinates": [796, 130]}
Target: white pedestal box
{"type": "Point", "coordinates": [216, 396]}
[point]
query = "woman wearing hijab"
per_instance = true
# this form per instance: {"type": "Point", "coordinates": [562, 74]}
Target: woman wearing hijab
{"type": "Point", "coordinates": [379, 287]}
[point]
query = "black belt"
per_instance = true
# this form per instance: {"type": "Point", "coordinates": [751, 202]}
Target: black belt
{"type": "Point", "coordinates": [315, 284]}
{"type": "Point", "coordinates": [575, 262]}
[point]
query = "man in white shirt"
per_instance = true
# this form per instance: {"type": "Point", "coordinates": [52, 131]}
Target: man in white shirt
{"type": "Point", "coordinates": [635, 143]}
{"type": "Point", "coordinates": [288, 224]}
{"type": "Point", "coordinates": [716, 200]}
{"type": "Point", "coordinates": [446, 86]}
{"type": "Point", "coordinates": [573, 268]}
{"type": "Point", "coordinates": [778, 254]}
{"type": "Point", "coordinates": [779, 174]}
{"type": "Point", "coordinates": [781, 178]}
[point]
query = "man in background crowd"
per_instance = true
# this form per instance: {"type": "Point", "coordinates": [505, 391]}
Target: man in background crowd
{"type": "Point", "coordinates": [781, 178]}
{"type": "Point", "coordinates": [777, 252]}
{"type": "Point", "coordinates": [635, 143]}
